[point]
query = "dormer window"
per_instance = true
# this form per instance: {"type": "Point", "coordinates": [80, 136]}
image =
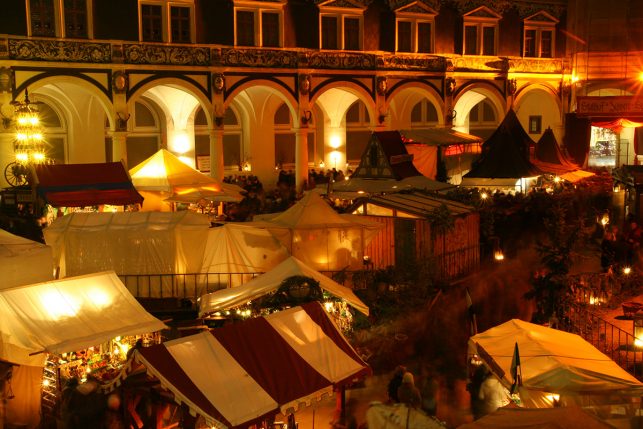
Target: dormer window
{"type": "Point", "coordinates": [415, 28]}
{"type": "Point", "coordinates": [481, 32]}
{"type": "Point", "coordinates": [59, 18]}
{"type": "Point", "coordinates": [166, 21]}
{"type": "Point", "coordinates": [539, 35]}
{"type": "Point", "coordinates": [258, 23]}
{"type": "Point", "coordinates": [341, 24]}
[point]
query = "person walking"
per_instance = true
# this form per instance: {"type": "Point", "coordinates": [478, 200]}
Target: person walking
{"type": "Point", "coordinates": [395, 382]}
{"type": "Point", "coordinates": [493, 394]}
{"type": "Point", "coordinates": [408, 393]}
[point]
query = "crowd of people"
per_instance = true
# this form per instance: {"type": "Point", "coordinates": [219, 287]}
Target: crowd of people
{"type": "Point", "coordinates": [402, 389]}
{"type": "Point", "coordinates": [621, 249]}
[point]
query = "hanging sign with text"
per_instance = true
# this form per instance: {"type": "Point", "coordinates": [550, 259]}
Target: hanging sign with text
{"type": "Point", "coordinates": [609, 106]}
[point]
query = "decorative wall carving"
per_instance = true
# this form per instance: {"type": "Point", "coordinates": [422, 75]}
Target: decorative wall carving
{"type": "Point", "coordinates": [406, 62]}
{"type": "Point", "coordinates": [120, 82]}
{"type": "Point", "coordinates": [304, 84]}
{"type": "Point", "coordinates": [382, 85]}
{"type": "Point", "coordinates": [6, 79]}
{"type": "Point", "coordinates": [339, 60]}
{"type": "Point", "coordinates": [218, 82]}
{"type": "Point", "coordinates": [55, 50]}
{"type": "Point", "coordinates": [170, 55]}
{"type": "Point", "coordinates": [274, 58]}
{"type": "Point", "coordinates": [536, 65]}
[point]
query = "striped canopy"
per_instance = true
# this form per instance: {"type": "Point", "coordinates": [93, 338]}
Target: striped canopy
{"type": "Point", "coordinates": [244, 372]}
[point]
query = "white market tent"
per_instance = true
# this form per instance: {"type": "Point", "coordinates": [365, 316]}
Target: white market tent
{"type": "Point", "coordinates": [128, 242]}
{"type": "Point", "coordinates": [538, 418]}
{"type": "Point", "coordinates": [552, 361]}
{"type": "Point", "coordinates": [163, 176]}
{"type": "Point", "coordinates": [24, 261]}
{"type": "Point", "coordinates": [239, 374]}
{"type": "Point", "coordinates": [318, 236]}
{"type": "Point", "coordinates": [66, 315]}
{"type": "Point", "coordinates": [242, 251]}
{"type": "Point", "coordinates": [270, 282]}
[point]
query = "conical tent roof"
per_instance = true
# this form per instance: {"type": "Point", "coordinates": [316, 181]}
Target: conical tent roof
{"type": "Point", "coordinates": [506, 153]}
{"type": "Point", "coordinates": [386, 157]}
{"type": "Point", "coordinates": [310, 212]}
{"type": "Point", "coordinates": [164, 172]}
{"type": "Point", "coordinates": [549, 157]}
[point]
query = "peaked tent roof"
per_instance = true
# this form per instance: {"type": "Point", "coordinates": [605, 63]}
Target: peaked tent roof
{"type": "Point", "coordinates": [386, 157]}
{"type": "Point", "coordinates": [164, 172]}
{"type": "Point", "coordinates": [274, 363]}
{"type": "Point", "coordinates": [378, 186]}
{"type": "Point", "coordinates": [269, 282]}
{"type": "Point", "coordinates": [80, 185]}
{"type": "Point", "coordinates": [534, 418]}
{"type": "Point", "coordinates": [551, 360]}
{"type": "Point", "coordinates": [23, 261]}
{"type": "Point", "coordinates": [506, 153]}
{"type": "Point", "coordinates": [68, 315]}
{"type": "Point", "coordinates": [441, 136]}
{"type": "Point", "coordinates": [549, 157]}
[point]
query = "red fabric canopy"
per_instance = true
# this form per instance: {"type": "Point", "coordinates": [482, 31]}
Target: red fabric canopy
{"type": "Point", "coordinates": [617, 125]}
{"type": "Point", "coordinates": [80, 185]}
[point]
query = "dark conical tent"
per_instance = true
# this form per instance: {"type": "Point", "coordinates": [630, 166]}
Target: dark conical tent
{"type": "Point", "coordinates": [506, 153]}
{"type": "Point", "coordinates": [548, 156]}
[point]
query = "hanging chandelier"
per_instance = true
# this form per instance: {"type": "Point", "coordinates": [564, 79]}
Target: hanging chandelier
{"type": "Point", "coordinates": [29, 146]}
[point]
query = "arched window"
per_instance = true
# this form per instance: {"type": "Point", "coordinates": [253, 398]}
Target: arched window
{"type": "Point", "coordinates": [358, 132]}
{"type": "Point", "coordinates": [144, 139]}
{"type": "Point", "coordinates": [232, 139]}
{"type": "Point", "coordinates": [482, 119]}
{"type": "Point", "coordinates": [424, 114]}
{"type": "Point", "coordinates": [284, 137]}
{"type": "Point", "coordinates": [55, 132]}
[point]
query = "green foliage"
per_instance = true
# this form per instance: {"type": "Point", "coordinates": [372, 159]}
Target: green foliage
{"type": "Point", "coordinates": [293, 291]}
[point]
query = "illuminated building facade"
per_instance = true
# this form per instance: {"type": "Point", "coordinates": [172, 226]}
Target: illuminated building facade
{"type": "Point", "coordinates": [234, 84]}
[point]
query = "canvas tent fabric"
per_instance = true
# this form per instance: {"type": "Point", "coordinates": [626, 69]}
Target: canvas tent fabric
{"type": "Point", "coordinates": [81, 185]}
{"type": "Point", "coordinates": [549, 158]}
{"type": "Point", "coordinates": [386, 157]}
{"type": "Point", "coordinates": [242, 250]}
{"type": "Point", "coordinates": [128, 242]}
{"type": "Point", "coordinates": [551, 361]}
{"type": "Point", "coordinates": [67, 315]}
{"type": "Point", "coordinates": [398, 416]}
{"type": "Point", "coordinates": [506, 153]}
{"type": "Point", "coordinates": [270, 282]}
{"type": "Point", "coordinates": [379, 186]}
{"type": "Point", "coordinates": [538, 418]}
{"type": "Point", "coordinates": [24, 261]}
{"type": "Point", "coordinates": [318, 236]}
{"type": "Point", "coordinates": [241, 373]}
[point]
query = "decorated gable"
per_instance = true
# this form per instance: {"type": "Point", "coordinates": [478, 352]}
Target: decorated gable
{"type": "Point", "coordinates": [386, 157]}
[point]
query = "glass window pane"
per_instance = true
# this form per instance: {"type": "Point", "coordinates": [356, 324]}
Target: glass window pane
{"type": "Point", "coordinates": [285, 148]}
{"type": "Point", "coordinates": [351, 34]}
{"type": "Point", "coordinates": [230, 118]}
{"type": "Point", "coordinates": [270, 29]}
{"type": "Point", "coordinates": [530, 43]}
{"type": "Point", "coordinates": [352, 114]}
{"type": "Point", "coordinates": [201, 145]}
{"type": "Point", "coordinates": [76, 18]}
{"type": "Point", "coordinates": [48, 117]}
{"type": "Point", "coordinates": [55, 149]}
{"type": "Point", "coordinates": [180, 24]}
{"type": "Point", "coordinates": [245, 28]}
{"type": "Point", "coordinates": [42, 18]}
{"type": "Point", "coordinates": [416, 113]}
{"type": "Point", "coordinates": [143, 116]}
{"type": "Point", "coordinates": [231, 149]}
{"type": "Point", "coordinates": [488, 113]}
{"type": "Point", "coordinates": [424, 37]}
{"type": "Point", "coordinates": [546, 45]}
{"type": "Point", "coordinates": [473, 114]}
{"type": "Point", "coordinates": [489, 41]}
{"type": "Point", "coordinates": [329, 32]}
{"type": "Point", "coordinates": [470, 40]}
{"type": "Point", "coordinates": [282, 115]}
{"type": "Point", "coordinates": [199, 118]}
{"type": "Point", "coordinates": [141, 148]}
{"type": "Point", "coordinates": [404, 36]}
{"type": "Point", "coordinates": [431, 112]}
{"type": "Point", "coordinates": [152, 23]}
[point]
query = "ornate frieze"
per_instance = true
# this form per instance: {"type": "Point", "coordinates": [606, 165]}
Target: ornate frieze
{"type": "Point", "coordinates": [535, 65]}
{"type": "Point", "coordinates": [56, 50]}
{"type": "Point", "coordinates": [338, 60]}
{"type": "Point", "coordinates": [474, 63]}
{"type": "Point", "coordinates": [407, 62]}
{"type": "Point", "coordinates": [273, 58]}
{"type": "Point", "coordinates": [169, 55]}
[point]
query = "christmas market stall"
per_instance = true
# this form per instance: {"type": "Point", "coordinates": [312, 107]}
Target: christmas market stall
{"type": "Point", "coordinates": [23, 261]}
{"type": "Point", "coordinates": [319, 236]}
{"type": "Point", "coordinates": [248, 372]}
{"type": "Point", "coordinates": [66, 329]}
{"type": "Point", "coordinates": [548, 368]}
{"type": "Point", "coordinates": [288, 281]}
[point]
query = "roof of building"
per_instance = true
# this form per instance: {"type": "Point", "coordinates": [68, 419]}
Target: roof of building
{"type": "Point", "coordinates": [416, 203]}
{"type": "Point", "coordinates": [386, 157]}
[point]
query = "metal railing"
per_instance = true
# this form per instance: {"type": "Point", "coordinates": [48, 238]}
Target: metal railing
{"type": "Point", "coordinates": [616, 343]}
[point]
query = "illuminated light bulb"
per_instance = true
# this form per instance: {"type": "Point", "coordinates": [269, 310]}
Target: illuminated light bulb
{"type": "Point", "coordinates": [484, 196]}
{"type": "Point", "coordinates": [37, 136]}
{"type": "Point", "coordinates": [499, 256]}
{"type": "Point", "coordinates": [556, 179]}
{"type": "Point", "coordinates": [328, 306]}
{"type": "Point", "coordinates": [46, 383]}
{"type": "Point", "coordinates": [21, 136]}
{"type": "Point", "coordinates": [38, 156]}
{"type": "Point", "coordinates": [88, 370]}
{"type": "Point", "coordinates": [627, 270]}
{"type": "Point", "coordinates": [34, 120]}
{"type": "Point", "coordinates": [22, 157]}
{"type": "Point", "coordinates": [638, 343]}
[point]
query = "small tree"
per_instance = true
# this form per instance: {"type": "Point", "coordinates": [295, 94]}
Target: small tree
{"type": "Point", "coordinates": [550, 285]}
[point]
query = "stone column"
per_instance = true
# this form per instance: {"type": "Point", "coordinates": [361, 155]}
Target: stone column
{"type": "Point", "coordinates": [301, 157]}
{"type": "Point", "coordinates": [119, 148]}
{"type": "Point", "coordinates": [216, 153]}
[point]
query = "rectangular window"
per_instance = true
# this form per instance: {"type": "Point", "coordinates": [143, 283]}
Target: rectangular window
{"type": "Point", "coordinates": [488, 41]}
{"type": "Point", "coordinates": [546, 44]}
{"type": "Point", "coordinates": [152, 22]}
{"type": "Point", "coordinates": [470, 40]}
{"type": "Point", "coordinates": [180, 24]}
{"type": "Point", "coordinates": [245, 28]}
{"type": "Point", "coordinates": [76, 19]}
{"type": "Point", "coordinates": [42, 18]}
{"type": "Point", "coordinates": [329, 32]}
{"type": "Point", "coordinates": [424, 37]}
{"type": "Point", "coordinates": [270, 29]}
{"type": "Point", "coordinates": [535, 124]}
{"type": "Point", "coordinates": [351, 34]}
{"type": "Point", "coordinates": [530, 43]}
{"type": "Point", "coordinates": [404, 36]}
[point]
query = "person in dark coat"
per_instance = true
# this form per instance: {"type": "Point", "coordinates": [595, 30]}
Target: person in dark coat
{"type": "Point", "coordinates": [407, 393]}
{"type": "Point", "coordinates": [395, 382]}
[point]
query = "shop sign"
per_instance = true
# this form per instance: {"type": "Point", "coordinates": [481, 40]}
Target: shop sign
{"type": "Point", "coordinates": [609, 106]}
{"type": "Point", "coordinates": [203, 163]}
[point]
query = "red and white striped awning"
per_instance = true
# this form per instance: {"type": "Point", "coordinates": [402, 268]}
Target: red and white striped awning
{"type": "Point", "coordinates": [244, 372]}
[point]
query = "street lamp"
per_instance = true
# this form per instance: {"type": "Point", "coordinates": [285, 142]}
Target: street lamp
{"type": "Point", "coordinates": [29, 143]}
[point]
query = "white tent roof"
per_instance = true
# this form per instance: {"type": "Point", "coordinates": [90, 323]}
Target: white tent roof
{"type": "Point", "coordinates": [379, 186]}
{"type": "Point", "coordinates": [68, 315]}
{"type": "Point", "coordinates": [551, 360]}
{"type": "Point", "coordinates": [238, 248]}
{"type": "Point", "coordinates": [270, 282]}
{"type": "Point", "coordinates": [23, 261]}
